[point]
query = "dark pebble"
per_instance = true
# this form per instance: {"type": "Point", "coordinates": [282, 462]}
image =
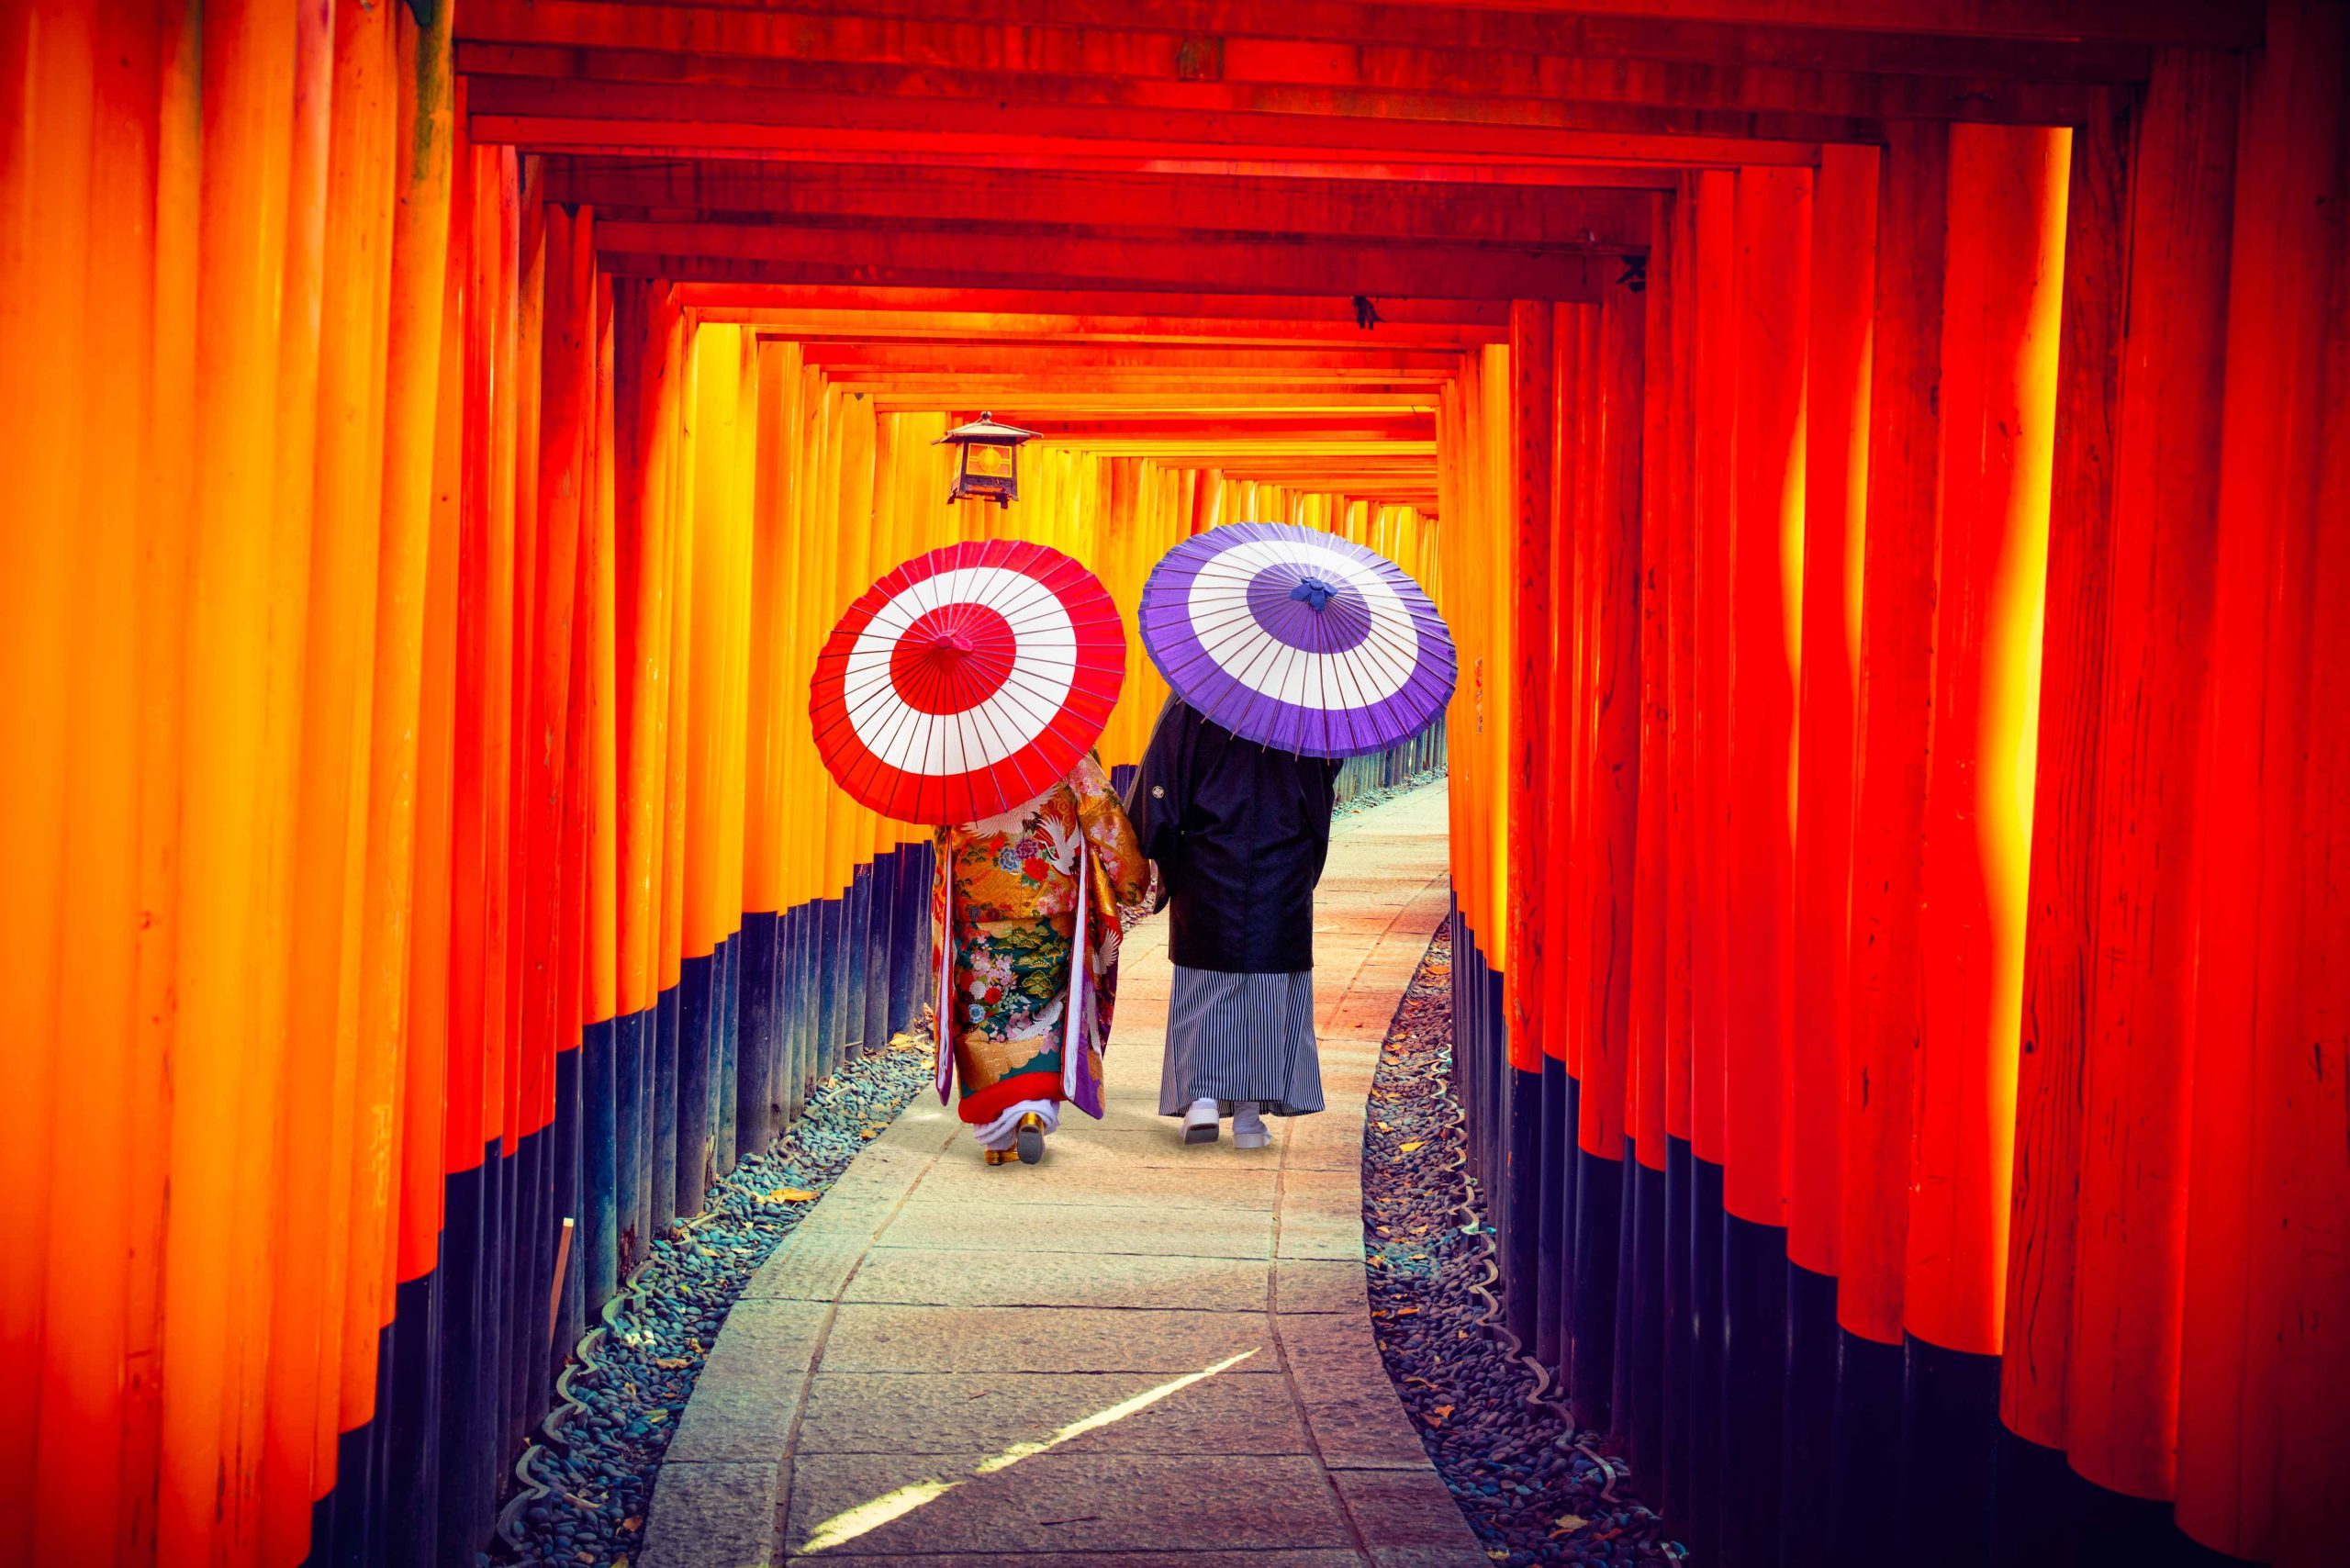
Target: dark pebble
{"type": "Point", "coordinates": [614, 1444]}
{"type": "Point", "coordinates": [1506, 1461]}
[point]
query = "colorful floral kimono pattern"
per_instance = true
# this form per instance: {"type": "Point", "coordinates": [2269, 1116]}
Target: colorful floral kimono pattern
{"type": "Point", "coordinates": [1011, 894]}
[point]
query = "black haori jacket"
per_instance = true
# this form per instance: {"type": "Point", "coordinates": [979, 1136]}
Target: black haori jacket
{"type": "Point", "coordinates": [1240, 833]}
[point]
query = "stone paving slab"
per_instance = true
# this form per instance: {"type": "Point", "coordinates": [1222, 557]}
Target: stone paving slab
{"type": "Point", "coordinates": [814, 1269]}
{"type": "Point", "coordinates": [960, 1412]}
{"type": "Point", "coordinates": [1332, 1558]}
{"type": "Point", "coordinates": [706, 1515]}
{"type": "Point", "coordinates": [994, 1277]}
{"type": "Point", "coordinates": [752, 1384]}
{"type": "Point", "coordinates": [1320, 1285]}
{"type": "Point", "coordinates": [1011, 1339]}
{"type": "Point", "coordinates": [1082, 1502]}
{"type": "Point", "coordinates": [1162, 1188]}
{"type": "Point", "coordinates": [1107, 1151]}
{"type": "Point", "coordinates": [1321, 1236]}
{"type": "Point", "coordinates": [1350, 1406]}
{"type": "Point", "coordinates": [1410, 1516]}
{"type": "Point", "coordinates": [1136, 1353]}
{"type": "Point", "coordinates": [859, 1216]}
{"type": "Point", "coordinates": [1326, 1151]}
{"type": "Point", "coordinates": [1096, 1230]}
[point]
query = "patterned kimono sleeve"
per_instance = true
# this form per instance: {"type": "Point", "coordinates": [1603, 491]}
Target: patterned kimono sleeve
{"type": "Point", "coordinates": [941, 938]}
{"type": "Point", "coordinates": [943, 1030]}
{"type": "Point", "coordinates": [1107, 830]}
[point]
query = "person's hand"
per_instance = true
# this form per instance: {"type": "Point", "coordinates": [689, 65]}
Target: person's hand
{"type": "Point", "coordinates": [1153, 900]}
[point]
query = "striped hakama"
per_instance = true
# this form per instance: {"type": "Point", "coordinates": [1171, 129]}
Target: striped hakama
{"type": "Point", "coordinates": [1233, 1036]}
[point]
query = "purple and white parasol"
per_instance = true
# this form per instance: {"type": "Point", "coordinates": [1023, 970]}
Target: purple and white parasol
{"type": "Point", "coordinates": [1297, 639]}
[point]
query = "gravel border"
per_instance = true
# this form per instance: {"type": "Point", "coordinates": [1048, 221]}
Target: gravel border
{"type": "Point", "coordinates": [583, 1490]}
{"type": "Point", "coordinates": [1386, 792]}
{"type": "Point", "coordinates": [1533, 1488]}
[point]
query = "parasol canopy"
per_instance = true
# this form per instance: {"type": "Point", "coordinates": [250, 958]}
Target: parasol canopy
{"type": "Point", "coordinates": [966, 681]}
{"type": "Point", "coordinates": [1298, 639]}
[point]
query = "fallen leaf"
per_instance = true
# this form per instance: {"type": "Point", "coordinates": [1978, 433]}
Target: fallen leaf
{"type": "Point", "coordinates": [1435, 1418]}
{"type": "Point", "coordinates": [1415, 1143]}
{"type": "Point", "coordinates": [673, 1363]}
{"type": "Point", "coordinates": [1385, 1127]}
{"type": "Point", "coordinates": [1405, 1311]}
{"type": "Point", "coordinates": [633, 1523]}
{"type": "Point", "coordinates": [792, 1196]}
{"type": "Point", "coordinates": [1419, 1230]}
{"type": "Point", "coordinates": [1572, 1522]}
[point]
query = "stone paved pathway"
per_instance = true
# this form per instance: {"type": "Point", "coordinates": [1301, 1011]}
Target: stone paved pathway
{"type": "Point", "coordinates": [1135, 1352]}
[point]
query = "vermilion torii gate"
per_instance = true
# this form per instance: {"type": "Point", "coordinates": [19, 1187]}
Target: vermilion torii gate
{"type": "Point", "coordinates": [1884, 461]}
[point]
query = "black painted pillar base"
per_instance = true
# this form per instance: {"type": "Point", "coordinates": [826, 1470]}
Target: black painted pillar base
{"type": "Point", "coordinates": [1754, 1373]}
{"type": "Point", "coordinates": [1670, 1493]}
{"type": "Point", "coordinates": [1808, 1440]}
{"type": "Point", "coordinates": [756, 1123]}
{"type": "Point", "coordinates": [829, 988]}
{"type": "Point", "coordinates": [1640, 1319]}
{"type": "Point", "coordinates": [596, 1248]}
{"type": "Point", "coordinates": [695, 1131]}
{"type": "Point", "coordinates": [1701, 1521]}
{"type": "Point", "coordinates": [1598, 1224]}
{"type": "Point", "coordinates": [1949, 1431]}
{"type": "Point", "coordinates": [876, 1027]}
{"type": "Point", "coordinates": [632, 1140]}
{"type": "Point", "coordinates": [1866, 1482]}
{"type": "Point", "coordinates": [1521, 1204]}
{"type": "Point", "coordinates": [725, 1055]}
{"type": "Point", "coordinates": [857, 937]}
{"type": "Point", "coordinates": [667, 1019]}
{"type": "Point", "coordinates": [410, 1405]}
{"type": "Point", "coordinates": [1548, 1283]}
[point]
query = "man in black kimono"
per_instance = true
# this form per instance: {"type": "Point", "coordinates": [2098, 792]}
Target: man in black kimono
{"type": "Point", "coordinates": [1240, 833]}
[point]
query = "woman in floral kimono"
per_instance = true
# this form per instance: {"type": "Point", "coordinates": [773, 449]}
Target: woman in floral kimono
{"type": "Point", "coordinates": [1025, 913]}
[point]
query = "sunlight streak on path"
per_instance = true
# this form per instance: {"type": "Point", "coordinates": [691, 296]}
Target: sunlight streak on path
{"type": "Point", "coordinates": [865, 1518]}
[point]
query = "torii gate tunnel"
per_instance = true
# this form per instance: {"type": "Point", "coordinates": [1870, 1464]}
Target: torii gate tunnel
{"type": "Point", "coordinates": [1887, 463]}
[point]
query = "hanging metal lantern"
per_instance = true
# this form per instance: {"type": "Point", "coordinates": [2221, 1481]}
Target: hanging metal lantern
{"type": "Point", "coordinates": [988, 466]}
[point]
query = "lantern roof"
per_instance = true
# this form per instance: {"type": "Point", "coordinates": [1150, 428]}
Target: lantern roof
{"type": "Point", "coordinates": [985, 428]}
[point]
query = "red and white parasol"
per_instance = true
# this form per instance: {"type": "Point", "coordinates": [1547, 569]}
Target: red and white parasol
{"type": "Point", "coordinates": [966, 681]}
